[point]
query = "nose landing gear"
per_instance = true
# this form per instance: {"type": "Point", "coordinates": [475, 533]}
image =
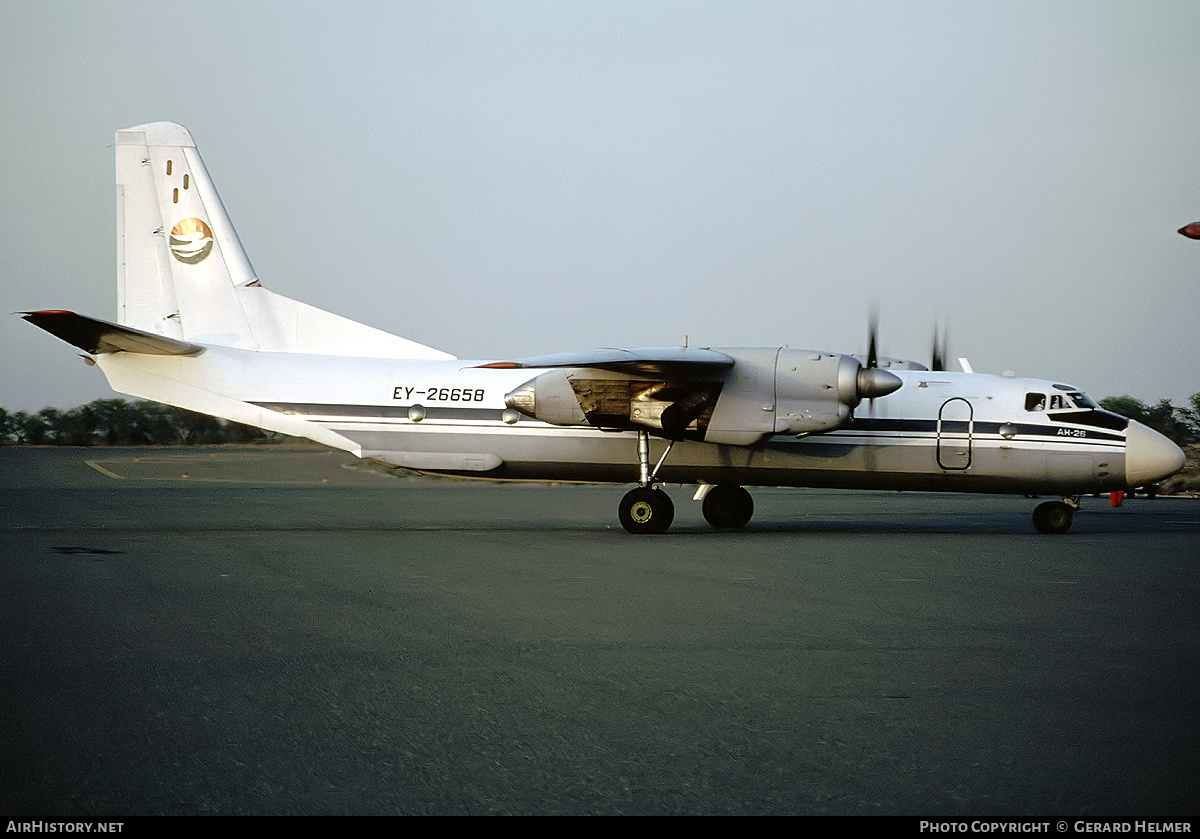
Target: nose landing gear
{"type": "Point", "coordinates": [1055, 516]}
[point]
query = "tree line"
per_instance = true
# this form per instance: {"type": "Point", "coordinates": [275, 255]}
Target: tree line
{"type": "Point", "coordinates": [118, 422]}
{"type": "Point", "coordinates": [1181, 424]}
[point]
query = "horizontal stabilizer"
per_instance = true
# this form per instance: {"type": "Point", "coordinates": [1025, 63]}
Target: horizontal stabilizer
{"type": "Point", "coordinates": [654, 361]}
{"type": "Point", "coordinates": [100, 336]}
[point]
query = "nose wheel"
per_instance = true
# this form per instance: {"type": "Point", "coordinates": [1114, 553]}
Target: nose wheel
{"type": "Point", "coordinates": [1054, 516]}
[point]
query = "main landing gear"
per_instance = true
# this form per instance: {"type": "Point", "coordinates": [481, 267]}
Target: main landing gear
{"type": "Point", "coordinates": [1055, 516]}
{"type": "Point", "coordinates": [648, 509]}
{"type": "Point", "coordinates": [728, 507]}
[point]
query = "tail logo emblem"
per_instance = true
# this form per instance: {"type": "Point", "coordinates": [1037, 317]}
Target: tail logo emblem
{"type": "Point", "coordinates": [191, 241]}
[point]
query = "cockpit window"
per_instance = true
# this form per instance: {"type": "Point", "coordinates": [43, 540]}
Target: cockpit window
{"type": "Point", "coordinates": [1075, 400]}
{"type": "Point", "coordinates": [1035, 402]}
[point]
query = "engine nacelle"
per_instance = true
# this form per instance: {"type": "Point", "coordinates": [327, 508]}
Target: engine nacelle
{"type": "Point", "coordinates": [817, 391]}
{"type": "Point", "coordinates": [790, 391]}
{"type": "Point", "coordinates": [767, 391]}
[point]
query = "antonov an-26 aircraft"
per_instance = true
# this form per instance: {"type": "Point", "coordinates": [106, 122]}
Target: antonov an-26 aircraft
{"type": "Point", "coordinates": [196, 329]}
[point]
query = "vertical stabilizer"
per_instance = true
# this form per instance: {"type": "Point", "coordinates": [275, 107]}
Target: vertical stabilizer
{"type": "Point", "coordinates": [179, 259]}
{"type": "Point", "coordinates": [182, 272]}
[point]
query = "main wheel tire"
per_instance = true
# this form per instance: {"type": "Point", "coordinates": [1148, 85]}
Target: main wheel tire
{"type": "Point", "coordinates": [1053, 517]}
{"type": "Point", "coordinates": [645, 510]}
{"type": "Point", "coordinates": [728, 507]}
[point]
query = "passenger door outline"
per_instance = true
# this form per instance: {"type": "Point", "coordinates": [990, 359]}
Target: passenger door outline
{"type": "Point", "coordinates": [955, 427]}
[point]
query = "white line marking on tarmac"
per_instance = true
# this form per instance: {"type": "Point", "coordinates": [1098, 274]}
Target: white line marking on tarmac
{"type": "Point", "coordinates": [102, 470]}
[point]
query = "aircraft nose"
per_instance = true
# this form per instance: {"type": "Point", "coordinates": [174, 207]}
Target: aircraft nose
{"type": "Point", "coordinates": [1149, 456]}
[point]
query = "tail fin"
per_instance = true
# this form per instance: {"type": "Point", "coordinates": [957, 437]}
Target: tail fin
{"type": "Point", "coordinates": [182, 272]}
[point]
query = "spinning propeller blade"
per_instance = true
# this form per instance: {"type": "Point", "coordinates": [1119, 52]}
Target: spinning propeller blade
{"type": "Point", "coordinates": [939, 352]}
{"type": "Point", "coordinates": [872, 343]}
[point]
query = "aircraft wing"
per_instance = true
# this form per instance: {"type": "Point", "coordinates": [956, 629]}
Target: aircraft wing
{"type": "Point", "coordinates": [99, 336]}
{"type": "Point", "coordinates": [646, 361]}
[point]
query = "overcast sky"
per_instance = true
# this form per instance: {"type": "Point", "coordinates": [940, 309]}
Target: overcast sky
{"type": "Point", "coordinates": [506, 179]}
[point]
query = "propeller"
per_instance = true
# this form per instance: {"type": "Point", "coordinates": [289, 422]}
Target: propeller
{"type": "Point", "coordinates": [873, 382]}
{"type": "Point", "coordinates": [939, 352]}
{"type": "Point", "coordinates": [873, 339]}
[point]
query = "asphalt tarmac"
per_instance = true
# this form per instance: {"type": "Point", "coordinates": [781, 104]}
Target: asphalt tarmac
{"type": "Point", "coordinates": [254, 631]}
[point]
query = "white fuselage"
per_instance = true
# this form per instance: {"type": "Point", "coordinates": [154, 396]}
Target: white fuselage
{"type": "Point", "coordinates": [939, 431]}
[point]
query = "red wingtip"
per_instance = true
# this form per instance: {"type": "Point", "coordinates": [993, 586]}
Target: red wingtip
{"type": "Point", "coordinates": [1192, 231]}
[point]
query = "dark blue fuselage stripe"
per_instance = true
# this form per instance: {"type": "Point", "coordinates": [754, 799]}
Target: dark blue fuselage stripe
{"type": "Point", "coordinates": [866, 427]}
{"type": "Point", "coordinates": [930, 426]}
{"type": "Point", "coordinates": [376, 412]}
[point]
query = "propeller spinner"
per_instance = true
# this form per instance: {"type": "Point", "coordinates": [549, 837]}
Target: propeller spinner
{"type": "Point", "coordinates": [873, 382]}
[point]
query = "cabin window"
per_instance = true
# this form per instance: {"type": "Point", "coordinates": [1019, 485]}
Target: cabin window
{"type": "Point", "coordinates": [1059, 402]}
{"type": "Point", "coordinates": [185, 181]}
{"type": "Point", "coordinates": [168, 167]}
{"type": "Point", "coordinates": [176, 195]}
{"type": "Point", "coordinates": [1035, 402]}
